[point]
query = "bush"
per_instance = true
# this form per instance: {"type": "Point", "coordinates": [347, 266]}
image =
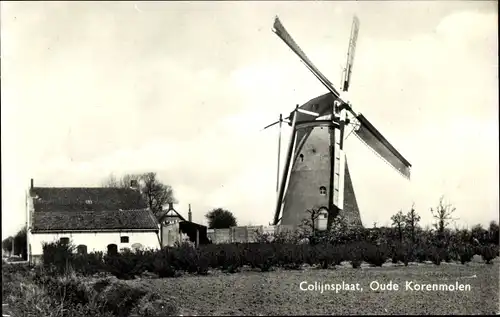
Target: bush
{"type": "Point", "coordinates": [374, 254]}
{"type": "Point", "coordinates": [401, 252]}
{"type": "Point", "coordinates": [436, 255]}
{"type": "Point", "coordinates": [328, 249]}
{"type": "Point", "coordinates": [465, 253]}
{"type": "Point", "coordinates": [125, 265]}
{"type": "Point", "coordinates": [89, 264]}
{"type": "Point", "coordinates": [489, 252]}
{"type": "Point", "coordinates": [325, 255]}
{"type": "Point", "coordinates": [58, 256]}
{"type": "Point", "coordinates": [259, 256]}
{"type": "Point", "coordinates": [162, 264]}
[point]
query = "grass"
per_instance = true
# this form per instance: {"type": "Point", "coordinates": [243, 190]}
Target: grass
{"type": "Point", "coordinates": [278, 292]}
{"type": "Point", "coordinates": [32, 292]}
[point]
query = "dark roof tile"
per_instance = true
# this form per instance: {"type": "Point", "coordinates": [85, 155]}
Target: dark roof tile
{"type": "Point", "coordinates": [94, 220]}
{"type": "Point", "coordinates": [70, 199]}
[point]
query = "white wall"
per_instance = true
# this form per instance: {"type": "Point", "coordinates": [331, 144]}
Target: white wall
{"type": "Point", "coordinates": [96, 241]}
{"type": "Point", "coordinates": [171, 235]}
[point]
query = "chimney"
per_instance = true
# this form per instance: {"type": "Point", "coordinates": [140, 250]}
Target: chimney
{"type": "Point", "coordinates": [32, 183]}
{"type": "Point", "coordinates": [170, 206]}
{"type": "Point", "coordinates": [190, 218]}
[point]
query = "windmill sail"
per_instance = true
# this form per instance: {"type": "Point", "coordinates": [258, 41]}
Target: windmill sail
{"type": "Point", "coordinates": [376, 141]}
{"type": "Point", "coordinates": [280, 30]}
{"type": "Point", "coordinates": [350, 54]}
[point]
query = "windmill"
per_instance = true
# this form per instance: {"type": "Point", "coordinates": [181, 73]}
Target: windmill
{"type": "Point", "coordinates": [316, 174]}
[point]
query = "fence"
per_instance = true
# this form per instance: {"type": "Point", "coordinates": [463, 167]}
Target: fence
{"type": "Point", "coordinates": [243, 234]}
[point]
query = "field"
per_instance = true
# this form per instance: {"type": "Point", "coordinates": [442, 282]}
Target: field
{"type": "Point", "coordinates": [267, 278]}
{"type": "Point", "coordinates": [278, 292]}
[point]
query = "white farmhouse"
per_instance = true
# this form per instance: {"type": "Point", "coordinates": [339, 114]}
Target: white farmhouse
{"type": "Point", "coordinates": [93, 219]}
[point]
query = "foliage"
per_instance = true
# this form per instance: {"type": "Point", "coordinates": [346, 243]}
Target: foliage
{"type": "Point", "coordinates": [30, 291]}
{"type": "Point", "coordinates": [57, 256]}
{"type": "Point", "coordinates": [411, 224]}
{"type": "Point", "coordinates": [398, 222]}
{"type": "Point", "coordinates": [284, 250]}
{"type": "Point", "coordinates": [489, 252]}
{"type": "Point", "coordinates": [7, 245]}
{"type": "Point", "coordinates": [220, 218]}
{"type": "Point", "coordinates": [493, 233]}
{"type": "Point", "coordinates": [20, 244]}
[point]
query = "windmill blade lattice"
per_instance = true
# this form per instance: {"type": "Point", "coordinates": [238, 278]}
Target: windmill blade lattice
{"type": "Point", "coordinates": [379, 144]}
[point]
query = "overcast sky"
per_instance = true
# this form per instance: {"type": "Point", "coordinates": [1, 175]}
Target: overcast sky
{"type": "Point", "coordinates": [183, 89]}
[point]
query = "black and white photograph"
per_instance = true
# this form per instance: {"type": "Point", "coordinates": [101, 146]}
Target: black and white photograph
{"type": "Point", "coordinates": [249, 158]}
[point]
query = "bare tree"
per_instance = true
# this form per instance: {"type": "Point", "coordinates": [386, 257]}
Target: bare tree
{"type": "Point", "coordinates": [398, 222]}
{"type": "Point", "coordinates": [155, 193]}
{"type": "Point", "coordinates": [411, 223]}
{"type": "Point", "coordinates": [123, 182]}
{"type": "Point", "coordinates": [308, 224]}
{"type": "Point", "coordinates": [443, 215]}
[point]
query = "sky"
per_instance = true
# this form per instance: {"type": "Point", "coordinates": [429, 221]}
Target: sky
{"type": "Point", "coordinates": [184, 89]}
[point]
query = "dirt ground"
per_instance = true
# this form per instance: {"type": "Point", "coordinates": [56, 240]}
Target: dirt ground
{"type": "Point", "coordinates": [279, 292]}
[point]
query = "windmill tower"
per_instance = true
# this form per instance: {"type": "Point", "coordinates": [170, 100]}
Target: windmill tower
{"type": "Point", "coordinates": [316, 174]}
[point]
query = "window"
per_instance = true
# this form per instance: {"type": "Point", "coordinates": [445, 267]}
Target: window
{"type": "Point", "coordinates": [64, 240]}
{"type": "Point", "coordinates": [324, 212]}
{"type": "Point", "coordinates": [301, 157]}
{"type": "Point", "coordinates": [81, 249]}
{"type": "Point", "coordinates": [124, 239]}
{"type": "Point", "coordinates": [322, 190]}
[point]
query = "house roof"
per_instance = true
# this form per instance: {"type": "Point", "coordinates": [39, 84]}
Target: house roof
{"type": "Point", "coordinates": [170, 214]}
{"type": "Point", "coordinates": [115, 220]}
{"type": "Point", "coordinates": [71, 199]}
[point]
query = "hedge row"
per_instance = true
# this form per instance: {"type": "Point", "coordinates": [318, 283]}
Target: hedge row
{"type": "Point", "coordinates": [172, 261]}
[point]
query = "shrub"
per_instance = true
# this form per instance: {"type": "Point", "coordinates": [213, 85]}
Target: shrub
{"type": "Point", "coordinates": [290, 256]}
{"type": "Point", "coordinates": [58, 256]}
{"type": "Point", "coordinates": [436, 255]}
{"type": "Point", "coordinates": [259, 255]}
{"type": "Point", "coordinates": [489, 252]}
{"type": "Point", "coordinates": [374, 254]}
{"type": "Point", "coordinates": [89, 264]}
{"type": "Point", "coordinates": [401, 252]}
{"type": "Point", "coordinates": [324, 254]}
{"type": "Point", "coordinates": [121, 266]}
{"type": "Point", "coordinates": [228, 258]}
{"type": "Point", "coordinates": [162, 264]}
{"type": "Point", "coordinates": [465, 253]}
